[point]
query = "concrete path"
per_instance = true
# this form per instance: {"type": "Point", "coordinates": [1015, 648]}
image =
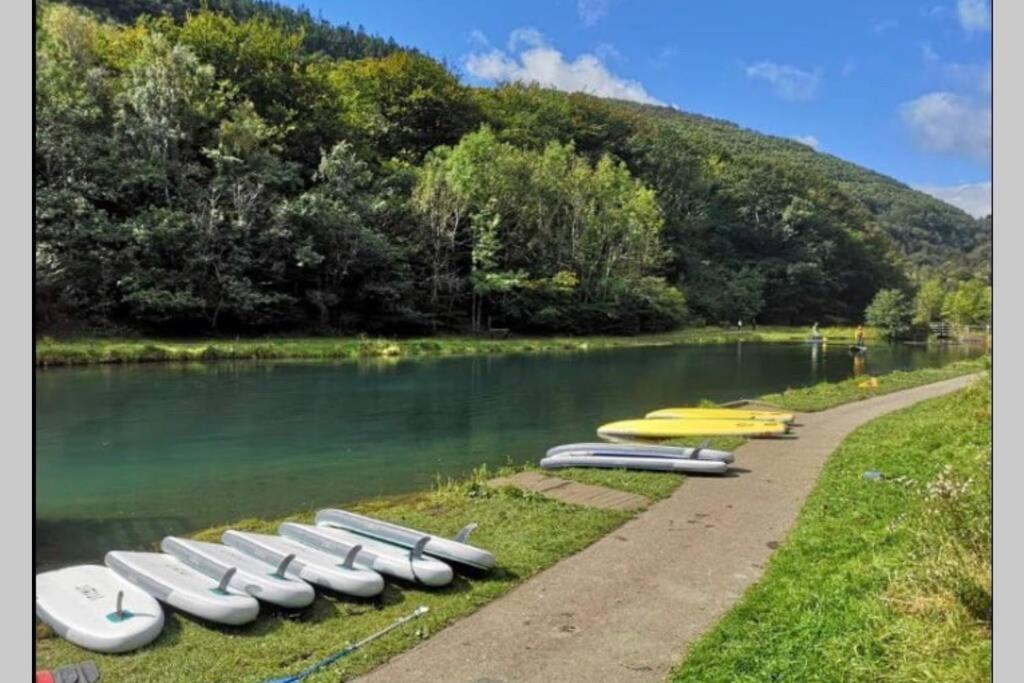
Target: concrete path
{"type": "Point", "coordinates": [573, 491]}
{"type": "Point", "coordinates": [627, 607]}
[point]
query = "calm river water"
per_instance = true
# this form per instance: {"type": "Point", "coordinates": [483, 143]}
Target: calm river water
{"type": "Point", "coordinates": [128, 454]}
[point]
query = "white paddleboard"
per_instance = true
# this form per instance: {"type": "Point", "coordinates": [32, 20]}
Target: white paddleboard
{"type": "Point", "coordinates": [81, 604]}
{"type": "Point", "coordinates": [323, 569]}
{"type": "Point", "coordinates": [170, 581]}
{"type": "Point", "coordinates": [684, 465]}
{"type": "Point", "coordinates": [449, 550]}
{"type": "Point", "coordinates": [640, 450]}
{"type": "Point", "coordinates": [402, 563]}
{"type": "Point", "coordinates": [253, 576]}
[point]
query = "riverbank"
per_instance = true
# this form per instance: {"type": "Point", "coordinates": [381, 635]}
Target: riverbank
{"type": "Point", "coordinates": [527, 532]}
{"type": "Point", "coordinates": [94, 350]}
{"type": "Point", "coordinates": [884, 579]}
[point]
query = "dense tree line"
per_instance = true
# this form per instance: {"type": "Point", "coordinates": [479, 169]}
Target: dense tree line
{"type": "Point", "coordinates": [218, 171]}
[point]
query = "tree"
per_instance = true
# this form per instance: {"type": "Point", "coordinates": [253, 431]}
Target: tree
{"type": "Point", "coordinates": [969, 304]}
{"type": "Point", "coordinates": [928, 303]}
{"type": "Point", "coordinates": [891, 311]}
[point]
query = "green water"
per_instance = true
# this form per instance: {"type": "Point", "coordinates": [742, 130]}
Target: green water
{"type": "Point", "coordinates": [128, 454]}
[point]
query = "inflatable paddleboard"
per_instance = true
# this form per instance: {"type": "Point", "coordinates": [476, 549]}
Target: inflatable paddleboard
{"type": "Point", "coordinates": [449, 550]}
{"type": "Point", "coordinates": [92, 607]}
{"type": "Point", "coordinates": [252, 576]}
{"type": "Point", "coordinates": [733, 414]}
{"type": "Point", "coordinates": [393, 560]}
{"type": "Point", "coordinates": [686, 465]}
{"type": "Point", "coordinates": [167, 579]}
{"type": "Point", "coordinates": [661, 429]}
{"type": "Point", "coordinates": [309, 564]}
{"type": "Point", "coordinates": [640, 450]}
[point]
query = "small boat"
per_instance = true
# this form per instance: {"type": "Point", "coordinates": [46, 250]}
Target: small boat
{"type": "Point", "coordinates": [94, 608]}
{"type": "Point", "coordinates": [167, 579]}
{"type": "Point", "coordinates": [732, 414]}
{"type": "Point", "coordinates": [308, 564]}
{"type": "Point", "coordinates": [857, 349]}
{"type": "Point", "coordinates": [616, 450]}
{"type": "Point", "coordinates": [663, 429]}
{"type": "Point", "coordinates": [449, 550]}
{"type": "Point", "coordinates": [251, 577]}
{"type": "Point", "coordinates": [685, 465]}
{"type": "Point", "coordinates": [401, 563]}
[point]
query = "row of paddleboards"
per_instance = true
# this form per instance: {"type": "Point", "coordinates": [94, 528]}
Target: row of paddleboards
{"type": "Point", "coordinates": [117, 607]}
{"type": "Point", "coordinates": [675, 423]}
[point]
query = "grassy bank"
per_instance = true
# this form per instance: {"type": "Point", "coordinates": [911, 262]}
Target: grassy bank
{"type": "Point", "coordinates": [830, 394]}
{"type": "Point", "coordinates": [81, 351]}
{"type": "Point", "coordinates": [880, 580]}
{"type": "Point", "coordinates": [526, 532]}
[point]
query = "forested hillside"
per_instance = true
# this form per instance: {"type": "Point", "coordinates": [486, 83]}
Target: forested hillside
{"type": "Point", "coordinates": [251, 168]}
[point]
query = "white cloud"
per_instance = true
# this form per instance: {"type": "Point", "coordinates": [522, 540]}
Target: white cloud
{"type": "Point", "coordinates": [607, 51]}
{"type": "Point", "coordinates": [928, 53]}
{"type": "Point", "coordinates": [592, 11]}
{"type": "Point", "coordinates": [950, 123]}
{"type": "Point", "coordinates": [478, 39]}
{"type": "Point", "coordinates": [849, 66]}
{"type": "Point", "coordinates": [973, 14]}
{"type": "Point", "coordinates": [788, 82]}
{"type": "Point", "coordinates": [974, 198]}
{"type": "Point", "coordinates": [885, 25]}
{"type": "Point", "coordinates": [808, 140]}
{"type": "Point", "coordinates": [530, 59]}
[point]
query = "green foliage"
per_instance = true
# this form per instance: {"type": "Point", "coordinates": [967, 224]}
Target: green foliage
{"type": "Point", "coordinates": [890, 311]}
{"type": "Point", "coordinates": [928, 302]}
{"type": "Point", "coordinates": [880, 580]}
{"type": "Point", "coordinates": [189, 179]}
{"type": "Point", "coordinates": [969, 304]}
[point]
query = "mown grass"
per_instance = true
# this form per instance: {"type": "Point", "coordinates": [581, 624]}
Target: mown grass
{"type": "Point", "coordinates": [830, 394]}
{"type": "Point", "coordinates": [91, 350]}
{"type": "Point", "coordinates": [880, 580]}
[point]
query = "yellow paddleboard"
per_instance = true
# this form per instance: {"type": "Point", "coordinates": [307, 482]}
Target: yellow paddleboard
{"type": "Point", "coordinates": [720, 414]}
{"type": "Point", "coordinates": [661, 429]}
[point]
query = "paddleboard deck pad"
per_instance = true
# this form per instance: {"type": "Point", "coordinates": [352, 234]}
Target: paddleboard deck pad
{"type": "Point", "coordinates": [80, 604]}
{"type": "Point", "coordinates": [169, 580]}
{"type": "Point", "coordinates": [253, 577]}
{"type": "Point", "coordinates": [309, 564]}
{"type": "Point", "coordinates": [393, 560]}
{"type": "Point", "coordinates": [450, 550]}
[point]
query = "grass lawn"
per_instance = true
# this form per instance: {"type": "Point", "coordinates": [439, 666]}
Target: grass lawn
{"type": "Point", "coordinates": [880, 580]}
{"type": "Point", "coordinates": [86, 350]}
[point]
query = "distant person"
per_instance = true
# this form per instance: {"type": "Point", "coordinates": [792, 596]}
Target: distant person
{"type": "Point", "coordinates": [739, 324]}
{"type": "Point", "coordinates": [859, 336]}
{"type": "Point", "coordinates": [815, 334]}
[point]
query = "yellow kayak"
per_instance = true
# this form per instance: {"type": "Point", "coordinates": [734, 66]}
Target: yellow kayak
{"type": "Point", "coordinates": [720, 414]}
{"type": "Point", "coordinates": [661, 429]}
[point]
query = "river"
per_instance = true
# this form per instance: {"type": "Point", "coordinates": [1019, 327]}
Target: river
{"type": "Point", "coordinates": [128, 454]}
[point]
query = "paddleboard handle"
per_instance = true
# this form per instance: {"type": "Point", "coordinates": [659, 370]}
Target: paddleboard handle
{"type": "Point", "coordinates": [417, 550]}
{"type": "Point", "coordinates": [701, 446]}
{"type": "Point", "coordinates": [465, 531]}
{"type": "Point", "coordinates": [279, 572]}
{"type": "Point", "coordinates": [350, 558]}
{"type": "Point", "coordinates": [222, 587]}
{"type": "Point", "coordinates": [119, 609]}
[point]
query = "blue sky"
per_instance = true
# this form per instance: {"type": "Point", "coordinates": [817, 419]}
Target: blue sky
{"type": "Point", "coordinates": [899, 86]}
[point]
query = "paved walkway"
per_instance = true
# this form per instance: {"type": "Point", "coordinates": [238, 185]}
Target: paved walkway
{"type": "Point", "coordinates": [627, 607]}
{"type": "Point", "coordinates": [573, 491]}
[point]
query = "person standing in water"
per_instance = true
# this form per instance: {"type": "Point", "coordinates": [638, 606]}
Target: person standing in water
{"type": "Point", "coordinates": [859, 336]}
{"type": "Point", "coordinates": [815, 334]}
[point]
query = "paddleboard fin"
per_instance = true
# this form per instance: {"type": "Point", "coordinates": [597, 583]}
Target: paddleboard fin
{"type": "Point", "coordinates": [119, 609]}
{"type": "Point", "coordinates": [279, 572]}
{"type": "Point", "coordinates": [417, 550]}
{"type": "Point", "coordinates": [350, 559]}
{"type": "Point", "coordinates": [701, 446]}
{"type": "Point", "coordinates": [222, 587]}
{"type": "Point", "coordinates": [465, 531]}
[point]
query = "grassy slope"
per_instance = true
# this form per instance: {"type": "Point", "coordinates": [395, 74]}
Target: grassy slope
{"type": "Point", "coordinates": [527, 533]}
{"type": "Point", "coordinates": [87, 350]}
{"type": "Point", "coordinates": [879, 580]}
